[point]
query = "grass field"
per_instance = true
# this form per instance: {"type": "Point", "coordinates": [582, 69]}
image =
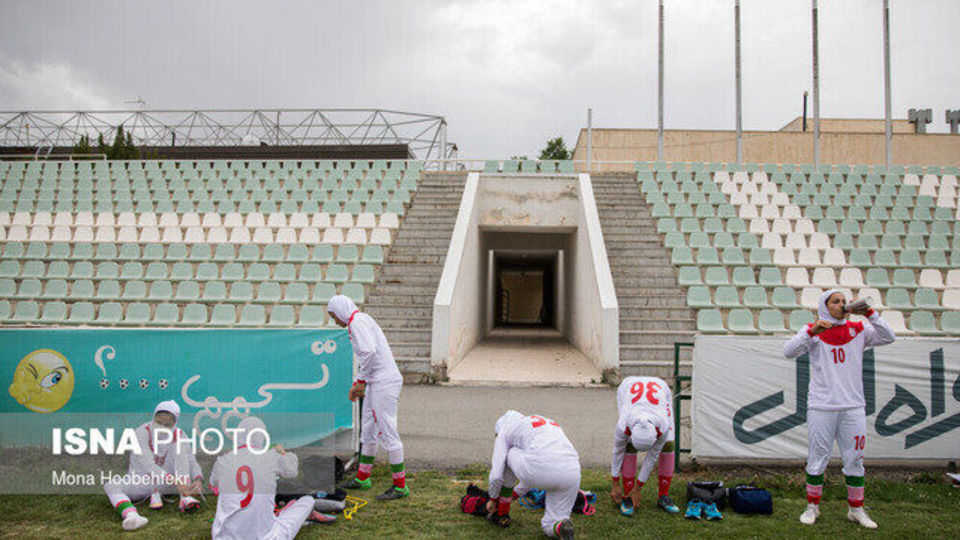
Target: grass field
{"type": "Point", "coordinates": [905, 506]}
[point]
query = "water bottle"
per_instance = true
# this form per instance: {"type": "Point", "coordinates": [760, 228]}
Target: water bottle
{"type": "Point", "coordinates": [857, 305]}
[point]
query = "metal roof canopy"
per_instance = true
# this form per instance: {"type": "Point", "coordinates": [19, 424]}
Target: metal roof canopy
{"type": "Point", "coordinates": [424, 134]}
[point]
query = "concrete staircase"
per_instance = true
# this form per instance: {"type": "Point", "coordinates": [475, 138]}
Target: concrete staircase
{"type": "Point", "coordinates": [402, 298]}
{"type": "Point", "coordinates": [653, 308]}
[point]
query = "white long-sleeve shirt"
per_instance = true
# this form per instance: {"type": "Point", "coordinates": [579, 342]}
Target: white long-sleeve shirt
{"type": "Point", "coordinates": [247, 485]}
{"type": "Point", "coordinates": [375, 363]}
{"type": "Point", "coordinates": [539, 437]}
{"type": "Point", "coordinates": [166, 458]}
{"type": "Point", "coordinates": [836, 361]}
{"type": "Point", "coordinates": [642, 396]}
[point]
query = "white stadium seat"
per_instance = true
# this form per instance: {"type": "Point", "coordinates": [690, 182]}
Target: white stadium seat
{"type": "Point", "coordinates": [357, 236]}
{"type": "Point", "coordinates": [931, 278]}
{"type": "Point", "coordinates": [262, 235]}
{"type": "Point", "coordinates": [286, 235]}
{"type": "Point", "coordinates": [254, 220]}
{"type": "Point", "coordinates": [309, 235]}
{"type": "Point", "coordinates": [333, 235]}
{"type": "Point", "coordinates": [211, 220]}
{"type": "Point", "coordinates": [380, 237]}
{"type": "Point", "coordinates": [147, 220]}
{"type": "Point", "coordinates": [320, 220]}
{"type": "Point", "coordinates": [343, 220]}
{"type": "Point", "coordinates": [276, 220]}
{"type": "Point", "coordinates": [851, 277]}
{"type": "Point", "coordinates": [128, 235]}
{"type": "Point", "coordinates": [389, 221]}
{"type": "Point", "coordinates": [810, 297]}
{"type": "Point", "coordinates": [217, 235]}
{"type": "Point", "coordinates": [797, 277]}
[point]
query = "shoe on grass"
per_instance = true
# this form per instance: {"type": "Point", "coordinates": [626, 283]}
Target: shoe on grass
{"type": "Point", "coordinates": [859, 515]}
{"type": "Point", "coordinates": [694, 509]}
{"type": "Point", "coordinates": [189, 504]}
{"type": "Point", "coordinates": [565, 530]}
{"type": "Point", "coordinates": [711, 512]}
{"type": "Point", "coordinates": [666, 503]}
{"type": "Point", "coordinates": [134, 521]}
{"type": "Point", "coordinates": [626, 506]}
{"type": "Point", "coordinates": [156, 501]}
{"type": "Point", "coordinates": [353, 483]}
{"type": "Point", "coordinates": [500, 520]}
{"type": "Point", "coordinates": [393, 492]}
{"type": "Point", "coordinates": [810, 515]}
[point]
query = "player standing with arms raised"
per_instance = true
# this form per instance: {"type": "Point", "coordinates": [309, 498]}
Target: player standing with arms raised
{"type": "Point", "coordinates": [835, 403]}
{"type": "Point", "coordinates": [645, 425]}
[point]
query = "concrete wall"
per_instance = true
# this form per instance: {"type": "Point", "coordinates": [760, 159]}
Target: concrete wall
{"type": "Point", "coordinates": [458, 308]}
{"type": "Point", "coordinates": [850, 125]}
{"type": "Point", "coordinates": [764, 147]}
{"type": "Point", "coordinates": [517, 203]}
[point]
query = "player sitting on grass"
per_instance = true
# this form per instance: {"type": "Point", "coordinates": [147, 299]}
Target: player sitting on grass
{"type": "Point", "coordinates": [161, 467]}
{"type": "Point", "coordinates": [245, 481]}
{"type": "Point", "coordinates": [645, 425]}
{"type": "Point", "coordinates": [533, 452]}
{"type": "Point", "coordinates": [835, 403]}
{"type": "Point", "coordinates": [379, 383]}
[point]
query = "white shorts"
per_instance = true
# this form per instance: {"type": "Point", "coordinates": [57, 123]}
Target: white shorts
{"type": "Point", "coordinates": [848, 427]}
{"type": "Point", "coordinates": [561, 481]}
{"type": "Point", "coordinates": [379, 420]}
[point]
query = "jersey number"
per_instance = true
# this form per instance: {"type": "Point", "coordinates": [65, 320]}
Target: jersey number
{"type": "Point", "coordinates": [538, 421]}
{"type": "Point", "coordinates": [839, 356]}
{"type": "Point", "coordinates": [651, 389]}
{"type": "Point", "coordinates": [859, 442]}
{"type": "Point", "coordinates": [245, 484]}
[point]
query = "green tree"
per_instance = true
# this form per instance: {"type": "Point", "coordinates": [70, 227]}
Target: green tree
{"type": "Point", "coordinates": [555, 149]}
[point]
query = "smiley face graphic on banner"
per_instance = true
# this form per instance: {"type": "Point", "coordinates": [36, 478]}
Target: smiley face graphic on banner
{"type": "Point", "coordinates": [43, 381]}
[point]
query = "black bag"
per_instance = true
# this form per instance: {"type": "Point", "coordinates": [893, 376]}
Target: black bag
{"type": "Point", "coordinates": [746, 499]}
{"type": "Point", "coordinates": [474, 502]}
{"type": "Point", "coordinates": [708, 492]}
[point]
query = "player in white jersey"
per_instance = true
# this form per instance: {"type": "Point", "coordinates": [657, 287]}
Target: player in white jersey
{"type": "Point", "coordinates": [160, 468]}
{"type": "Point", "coordinates": [645, 425]}
{"type": "Point", "coordinates": [379, 383]}
{"type": "Point", "coordinates": [245, 480]}
{"type": "Point", "coordinates": [835, 403]}
{"type": "Point", "coordinates": [533, 452]}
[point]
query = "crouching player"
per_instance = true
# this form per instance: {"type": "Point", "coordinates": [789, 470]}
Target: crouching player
{"type": "Point", "coordinates": [533, 452]}
{"type": "Point", "coordinates": [245, 481]}
{"type": "Point", "coordinates": [164, 465]}
{"type": "Point", "coordinates": [835, 402]}
{"type": "Point", "coordinates": [645, 425]}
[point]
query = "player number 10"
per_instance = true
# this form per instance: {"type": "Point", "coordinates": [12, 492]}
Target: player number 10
{"type": "Point", "coordinates": [839, 356]}
{"type": "Point", "coordinates": [859, 442]}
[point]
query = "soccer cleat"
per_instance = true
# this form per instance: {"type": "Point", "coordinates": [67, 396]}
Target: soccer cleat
{"type": "Point", "coordinates": [711, 513]}
{"type": "Point", "coordinates": [694, 509]}
{"type": "Point", "coordinates": [626, 506]}
{"type": "Point", "coordinates": [565, 530]}
{"type": "Point", "coordinates": [500, 520]}
{"type": "Point", "coordinates": [134, 521]}
{"type": "Point", "coordinates": [189, 504]}
{"type": "Point", "coordinates": [393, 492]}
{"type": "Point", "coordinates": [156, 500]}
{"type": "Point", "coordinates": [859, 515]}
{"type": "Point", "coordinates": [323, 519]}
{"type": "Point", "coordinates": [810, 515]}
{"type": "Point", "coordinates": [353, 483]}
{"type": "Point", "coordinates": [666, 503]}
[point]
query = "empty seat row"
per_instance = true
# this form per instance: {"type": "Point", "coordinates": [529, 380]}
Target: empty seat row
{"type": "Point", "coordinates": [193, 235]}
{"type": "Point", "coordinates": [323, 253]}
{"type": "Point", "coordinates": [187, 206]}
{"type": "Point", "coordinates": [783, 297]}
{"type": "Point", "coordinates": [298, 220]}
{"type": "Point", "coordinates": [771, 321]}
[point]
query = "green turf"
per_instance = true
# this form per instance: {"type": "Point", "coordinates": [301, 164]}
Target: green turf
{"type": "Point", "coordinates": [918, 505]}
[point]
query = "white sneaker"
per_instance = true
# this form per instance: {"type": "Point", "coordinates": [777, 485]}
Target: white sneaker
{"type": "Point", "coordinates": [810, 515]}
{"type": "Point", "coordinates": [859, 515]}
{"type": "Point", "coordinates": [156, 500]}
{"type": "Point", "coordinates": [133, 522]}
{"type": "Point", "coordinates": [188, 504]}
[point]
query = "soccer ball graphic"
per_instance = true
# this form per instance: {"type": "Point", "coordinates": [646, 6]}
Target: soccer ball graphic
{"type": "Point", "coordinates": [162, 384]}
{"type": "Point", "coordinates": [144, 384]}
{"type": "Point", "coordinates": [124, 384]}
{"type": "Point", "coordinates": [104, 383]}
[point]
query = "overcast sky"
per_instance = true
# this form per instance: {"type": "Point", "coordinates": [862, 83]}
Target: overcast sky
{"type": "Point", "coordinates": [507, 74]}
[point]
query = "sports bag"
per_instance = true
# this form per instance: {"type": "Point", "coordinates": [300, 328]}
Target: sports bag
{"type": "Point", "coordinates": [708, 492]}
{"type": "Point", "coordinates": [474, 502]}
{"type": "Point", "coordinates": [746, 499]}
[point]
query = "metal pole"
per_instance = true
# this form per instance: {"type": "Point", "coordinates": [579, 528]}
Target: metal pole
{"type": "Point", "coordinates": [278, 128]}
{"type": "Point", "coordinates": [888, 123]}
{"type": "Point", "coordinates": [589, 140]}
{"type": "Point", "coordinates": [736, 26]}
{"type": "Point", "coordinates": [660, 86]}
{"type": "Point", "coordinates": [443, 143]}
{"type": "Point", "coordinates": [816, 90]}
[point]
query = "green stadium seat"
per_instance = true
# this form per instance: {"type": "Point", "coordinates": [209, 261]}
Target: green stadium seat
{"type": "Point", "coordinates": [251, 315]}
{"type": "Point", "coordinates": [82, 289]}
{"type": "Point", "coordinates": [755, 297]}
{"type": "Point", "coordinates": [904, 278]}
{"type": "Point", "coordinates": [284, 272]}
{"type": "Point", "coordinates": [214, 291]}
{"type": "Point", "coordinates": [53, 312]}
{"type": "Point", "coordinates": [160, 290]}
{"type": "Point", "coordinates": [336, 273]}
{"type": "Point", "coordinates": [281, 316]}
{"type": "Point", "coordinates": [927, 299]}
{"type": "Point", "coordinates": [258, 272]}
{"type": "Point", "coordinates": [923, 323]}
{"type": "Point", "coordinates": [743, 276]}
{"type": "Point", "coordinates": [877, 278]}
{"type": "Point", "coordinates": [223, 315]}
{"type": "Point", "coordinates": [355, 292]}
{"type": "Point", "coordinates": [134, 290]}
{"type": "Point", "coordinates": [709, 321]}
{"type": "Point", "coordinates": [322, 254]}
{"type": "Point", "coordinates": [760, 257]}
{"type": "Point", "coordinates": [785, 298]}
{"type": "Point", "coordinates": [898, 298]}
{"type": "Point", "coordinates": [698, 296]}
{"type": "Point", "coordinates": [323, 292]}
{"type": "Point", "coordinates": [950, 322]}
{"type": "Point", "coordinates": [311, 316]}
{"type": "Point", "coordinates": [686, 276]}
{"type": "Point", "coordinates": [269, 291]}
{"type": "Point", "coordinates": [296, 293]}
{"type": "Point", "coordinates": [771, 321]}
{"type": "Point", "coordinates": [740, 321]}
{"type": "Point", "coordinates": [187, 291]}
{"type": "Point", "coordinates": [81, 313]}
{"type": "Point", "coordinates": [726, 297]}
{"type": "Point", "coordinates": [372, 255]}
{"type": "Point", "coordinates": [110, 313]}
{"type": "Point", "coordinates": [108, 290]}
{"type": "Point", "coordinates": [363, 273]}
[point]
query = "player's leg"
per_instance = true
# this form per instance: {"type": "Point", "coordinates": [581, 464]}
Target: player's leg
{"type": "Point", "coordinates": [628, 477]}
{"type": "Point", "coordinates": [291, 517]}
{"type": "Point", "coordinates": [559, 503]}
{"type": "Point", "coordinates": [368, 444]}
{"type": "Point", "coordinates": [510, 489]}
{"type": "Point", "coordinates": [120, 495]}
{"type": "Point", "coordinates": [852, 440]}
{"type": "Point", "coordinates": [389, 438]}
{"type": "Point", "coordinates": [666, 465]}
{"type": "Point", "coordinates": [821, 431]}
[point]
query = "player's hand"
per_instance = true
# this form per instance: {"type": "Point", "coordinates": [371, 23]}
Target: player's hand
{"type": "Point", "coordinates": [196, 487]}
{"type": "Point", "coordinates": [863, 310]}
{"type": "Point", "coordinates": [353, 393]}
{"type": "Point", "coordinates": [279, 449]}
{"type": "Point", "coordinates": [616, 494]}
{"type": "Point", "coordinates": [491, 506]}
{"type": "Point", "coordinates": [820, 326]}
{"type": "Point", "coordinates": [635, 496]}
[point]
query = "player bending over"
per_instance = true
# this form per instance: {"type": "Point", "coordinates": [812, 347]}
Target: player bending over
{"type": "Point", "coordinates": [835, 404]}
{"type": "Point", "coordinates": [645, 425]}
{"type": "Point", "coordinates": [533, 452]}
{"type": "Point", "coordinates": [169, 462]}
{"type": "Point", "coordinates": [245, 481]}
{"type": "Point", "coordinates": [379, 383]}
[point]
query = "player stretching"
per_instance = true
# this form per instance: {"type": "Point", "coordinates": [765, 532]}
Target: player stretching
{"type": "Point", "coordinates": [379, 382]}
{"type": "Point", "coordinates": [533, 452]}
{"type": "Point", "coordinates": [835, 404]}
{"type": "Point", "coordinates": [164, 467]}
{"type": "Point", "coordinates": [245, 481]}
{"type": "Point", "coordinates": [645, 425]}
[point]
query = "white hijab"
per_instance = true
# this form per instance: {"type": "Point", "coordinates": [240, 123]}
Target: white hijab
{"type": "Point", "coordinates": [251, 431]}
{"type": "Point", "coordinates": [341, 306]}
{"type": "Point", "coordinates": [822, 310]}
{"type": "Point", "coordinates": [643, 434]}
{"type": "Point", "coordinates": [507, 419]}
{"type": "Point", "coordinates": [169, 406]}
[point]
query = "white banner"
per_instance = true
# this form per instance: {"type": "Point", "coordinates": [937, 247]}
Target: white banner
{"type": "Point", "coordinates": [751, 401]}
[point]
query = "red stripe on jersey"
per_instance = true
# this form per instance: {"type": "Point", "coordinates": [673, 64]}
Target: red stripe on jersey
{"type": "Point", "coordinates": [841, 334]}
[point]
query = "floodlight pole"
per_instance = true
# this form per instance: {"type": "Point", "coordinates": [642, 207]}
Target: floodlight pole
{"type": "Point", "coordinates": [887, 122]}
{"type": "Point", "coordinates": [816, 89]}
{"type": "Point", "coordinates": [443, 144]}
{"type": "Point", "coordinates": [660, 85]}
{"type": "Point", "coordinates": [736, 26]}
{"type": "Point", "coordinates": [589, 140]}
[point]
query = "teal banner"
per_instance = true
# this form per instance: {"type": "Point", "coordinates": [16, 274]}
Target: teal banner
{"type": "Point", "coordinates": [299, 379]}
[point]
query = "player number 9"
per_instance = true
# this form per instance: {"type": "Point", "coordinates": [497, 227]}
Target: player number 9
{"type": "Point", "coordinates": [245, 484]}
